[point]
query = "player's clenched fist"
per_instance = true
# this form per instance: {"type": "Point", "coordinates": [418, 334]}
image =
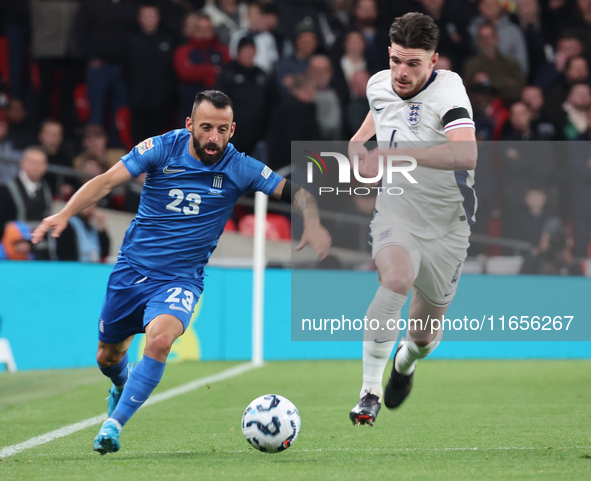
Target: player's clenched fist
{"type": "Point", "coordinates": [57, 222]}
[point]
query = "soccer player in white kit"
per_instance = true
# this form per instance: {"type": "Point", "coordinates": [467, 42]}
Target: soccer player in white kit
{"type": "Point", "coordinates": [419, 238]}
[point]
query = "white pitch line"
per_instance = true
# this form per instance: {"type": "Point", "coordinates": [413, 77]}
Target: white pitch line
{"type": "Point", "coordinates": [163, 396]}
{"type": "Point", "coordinates": [361, 450]}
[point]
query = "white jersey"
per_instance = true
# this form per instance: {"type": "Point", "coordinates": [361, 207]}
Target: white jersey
{"type": "Point", "coordinates": [441, 200]}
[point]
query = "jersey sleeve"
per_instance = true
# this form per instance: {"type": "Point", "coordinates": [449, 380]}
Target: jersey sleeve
{"type": "Point", "coordinates": [454, 106]}
{"type": "Point", "coordinates": [260, 177]}
{"type": "Point", "coordinates": [146, 156]}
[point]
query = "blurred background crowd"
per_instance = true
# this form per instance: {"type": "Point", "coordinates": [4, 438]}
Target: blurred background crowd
{"type": "Point", "coordinates": [82, 81]}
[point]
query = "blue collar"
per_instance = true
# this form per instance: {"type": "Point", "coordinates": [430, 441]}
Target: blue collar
{"type": "Point", "coordinates": [429, 82]}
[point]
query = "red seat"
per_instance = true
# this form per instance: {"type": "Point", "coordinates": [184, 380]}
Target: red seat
{"type": "Point", "coordinates": [230, 226]}
{"type": "Point", "coordinates": [278, 227]}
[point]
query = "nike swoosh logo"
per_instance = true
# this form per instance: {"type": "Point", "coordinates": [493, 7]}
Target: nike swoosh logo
{"type": "Point", "coordinates": [380, 342]}
{"type": "Point", "coordinates": [177, 308]}
{"type": "Point", "coordinates": [378, 110]}
{"type": "Point", "coordinates": [135, 400]}
{"type": "Point", "coordinates": [166, 170]}
{"type": "Point", "coordinates": [445, 295]}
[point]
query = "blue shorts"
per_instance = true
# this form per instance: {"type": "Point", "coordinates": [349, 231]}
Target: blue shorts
{"type": "Point", "coordinates": [133, 300]}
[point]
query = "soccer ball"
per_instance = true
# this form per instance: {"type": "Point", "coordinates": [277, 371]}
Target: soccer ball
{"type": "Point", "coordinates": [271, 423]}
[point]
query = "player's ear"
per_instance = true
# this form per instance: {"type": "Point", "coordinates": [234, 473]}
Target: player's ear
{"type": "Point", "coordinates": [189, 124]}
{"type": "Point", "coordinates": [232, 129]}
{"type": "Point", "coordinates": [434, 58]}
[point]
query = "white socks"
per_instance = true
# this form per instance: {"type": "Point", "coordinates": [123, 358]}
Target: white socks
{"type": "Point", "coordinates": [409, 353]}
{"type": "Point", "coordinates": [378, 343]}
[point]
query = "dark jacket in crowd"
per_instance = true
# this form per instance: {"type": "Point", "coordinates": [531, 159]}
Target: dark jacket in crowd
{"type": "Point", "coordinates": [293, 120]}
{"type": "Point", "coordinates": [150, 73]}
{"type": "Point", "coordinates": [102, 28]}
{"type": "Point", "coordinates": [252, 94]}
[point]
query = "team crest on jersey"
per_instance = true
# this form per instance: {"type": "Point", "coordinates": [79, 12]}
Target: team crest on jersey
{"type": "Point", "coordinates": [414, 113]}
{"type": "Point", "coordinates": [217, 181]}
{"type": "Point", "coordinates": [144, 146]}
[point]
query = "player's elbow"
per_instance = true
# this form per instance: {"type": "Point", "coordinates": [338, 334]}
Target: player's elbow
{"type": "Point", "coordinates": [468, 156]}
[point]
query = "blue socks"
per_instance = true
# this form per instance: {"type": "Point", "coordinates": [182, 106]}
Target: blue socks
{"type": "Point", "coordinates": [117, 373]}
{"type": "Point", "coordinates": [143, 379]}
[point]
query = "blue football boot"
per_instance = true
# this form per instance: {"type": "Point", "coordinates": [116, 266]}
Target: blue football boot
{"type": "Point", "coordinates": [107, 440]}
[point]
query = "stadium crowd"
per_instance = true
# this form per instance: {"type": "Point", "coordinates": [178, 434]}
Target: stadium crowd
{"type": "Point", "coordinates": [82, 81]}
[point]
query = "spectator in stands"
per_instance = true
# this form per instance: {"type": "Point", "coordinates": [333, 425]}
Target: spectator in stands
{"type": "Point", "coordinates": [306, 44]}
{"type": "Point", "coordinates": [551, 256]}
{"type": "Point", "coordinates": [529, 20]}
{"type": "Point", "coordinates": [57, 53]}
{"type": "Point", "coordinates": [365, 19]}
{"type": "Point", "coordinates": [358, 106]}
{"type": "Point", "coordinates": [568, 46]}
{"type": "Point", "coordinates": [102, 29]}
{"type": "Point", "coordinates": [524, 165]}
{"type": "Point", "coordinates": [511, 43]}
{"type": "Point", "coordinates": [173, 13]}
{"type": "Point", "coordinates": [199, 61]}
{"type": "Point", "coordinates": [267, 52]}
{"type": "Point", "coordinates": [533, 217]}
{"type": "Point", "coordinates": [444, 63]}
{"type": "Point", "coordinates": [20, 128]}
{"type": "Point", "coordinates": [519, 125]}
{"type": "Point", "coordinates": [542, 126]}
{"type": "Point", "coordinates": [481, 98]}
{"type": "Point", "coordinates": [334, 21]}
{"type": "Point", "coordinates": [151, 76]}
{"type": "Point", "coordinates": [452, 17]}
{"type": "Point", "coordinates": [575, 119]}
{"type": "Point", "coordinates": [353, 59]}
{"type": "Point", "coordinates": [547, 234]}
{"type": "Point", "coordinates": [491, 65]}
{"type": "Point", "coordinates": [85, 239]}
{"type": "Point", "coordinates": [27, 197]}
{"type": "Point", "coordinates": [51, 138]}
{"type": "Point", "coordinates": [271, 21]}
{"type": "Point", "coordinates": [329, 110]}
{"type": "Point", "coordinates": [252, 93]}
{"type": "Point", "coordinates": [9, 155]}
{"type": "Point", "coordinates": [227, 17]}
{"type": "Point", "coordinates": [576, 71]}
{"type": "Point", "coordinates": [16, 28]}
{"type": "Point", "coordinates": [294, 119]}
{"type": "Point", "coordinates": [580, 191]}
{"type": "Point", "coordinates": [95, 141]}
{"type": "Point", "coordinates": [15, 243]}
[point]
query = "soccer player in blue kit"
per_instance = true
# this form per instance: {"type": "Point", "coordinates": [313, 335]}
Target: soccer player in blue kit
{"type": "Point", "coordinates": [194, 178]}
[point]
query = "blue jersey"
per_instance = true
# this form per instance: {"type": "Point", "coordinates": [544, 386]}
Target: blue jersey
{"type": "Point", "coordinates": [185, 204]}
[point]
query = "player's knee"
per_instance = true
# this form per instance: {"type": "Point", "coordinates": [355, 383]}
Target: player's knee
{"type": "Point", "coordinates": [159, 344]}
{"type": "Point", "coordinates": [107, 358]}
{"type": "Point", "coordinates": [396, 282]}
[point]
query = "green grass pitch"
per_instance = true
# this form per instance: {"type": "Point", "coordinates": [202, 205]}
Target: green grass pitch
{"type": "Point", "coordinates": [465, 420]}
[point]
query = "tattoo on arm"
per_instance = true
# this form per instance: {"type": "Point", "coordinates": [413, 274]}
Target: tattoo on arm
{"type": "Point", "coordinates": [306, 204]}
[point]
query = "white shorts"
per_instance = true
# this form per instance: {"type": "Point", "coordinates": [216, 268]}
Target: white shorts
{"type": "Point", "coordinates": [437, 263]}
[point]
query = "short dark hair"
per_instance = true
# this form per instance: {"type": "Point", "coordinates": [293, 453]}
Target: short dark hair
{"type": "Point", "coordinates": [415, 30]}
{"type": "Point", "coordinates": [216, 98]}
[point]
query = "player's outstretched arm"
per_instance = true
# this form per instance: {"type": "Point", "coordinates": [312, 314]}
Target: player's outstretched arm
{"type": "Point", "coordinates": [460, 153]}
{"type": "Point", "coordinates": [314, 233]}
{"type": "Point", "coordinates": [91, 192]}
